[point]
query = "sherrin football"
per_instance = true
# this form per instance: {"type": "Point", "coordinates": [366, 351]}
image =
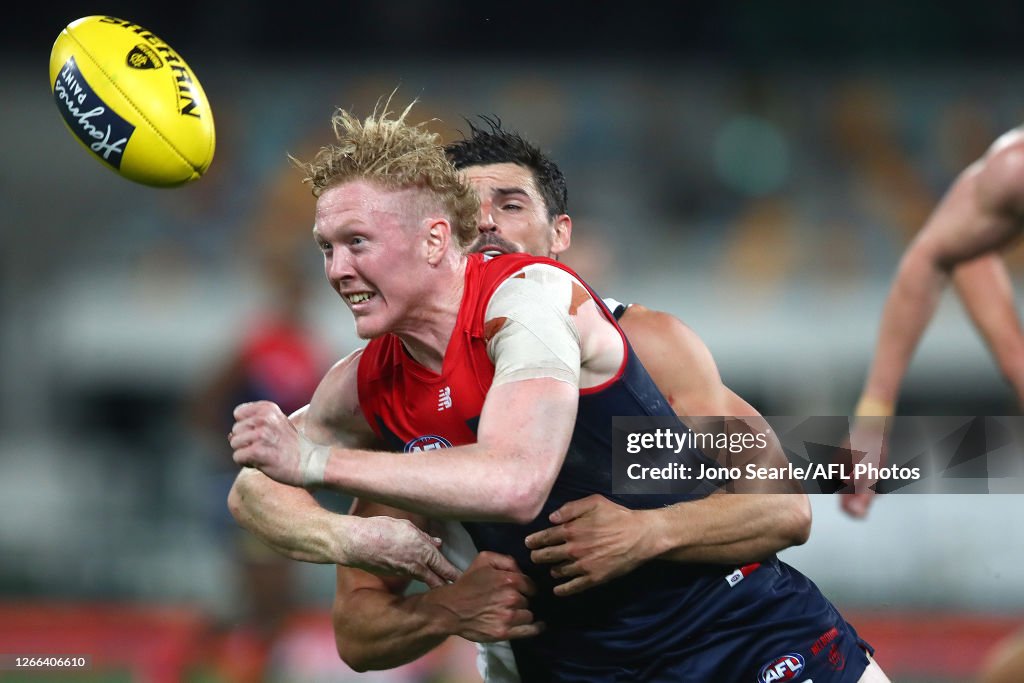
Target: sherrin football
{"type": "Point", "coordinates": [132, 101]}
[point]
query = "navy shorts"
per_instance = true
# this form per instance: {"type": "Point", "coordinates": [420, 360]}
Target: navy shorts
{"type": "Point", "coordinates": [772, 625]}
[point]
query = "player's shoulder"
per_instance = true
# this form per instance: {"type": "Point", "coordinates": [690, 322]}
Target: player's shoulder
{"type": "Point", "coordinates": [653, 321]}
{"type": "Point", "coordinates": [999, 176]}
{"type": "Point", "coordinates": [1007, 152]}
{"type": "Point", "coordinates": [649, 327]}
{"type": "Point", "coordinates": [339, 379]}
{"type": "Point", "coordinates": [538, 278]}
{"type": "Point", "coordinates": [346, 364]}
{"type": "Point", "coordinates": [335, 404]}
{"type": "Point", "coordinates": [1013, 138]}
{"type": "Point", "coordinates": [507, 266]}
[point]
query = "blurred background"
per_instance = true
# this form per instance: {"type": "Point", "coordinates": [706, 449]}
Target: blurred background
{"type": "Point", "coordinates": [754, 168]}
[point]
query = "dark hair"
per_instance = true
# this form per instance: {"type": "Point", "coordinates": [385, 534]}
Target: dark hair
{"type": "Point", "coordinates": [495, 145]}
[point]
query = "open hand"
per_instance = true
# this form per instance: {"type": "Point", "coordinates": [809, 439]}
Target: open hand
{"type": "Point", "coordinates": [490, 601]}
{"type": "Point", "coordinates": [868, 445]}
{"type": "Point", "coordinates": [594, 541]}
{"type": "Point", "coordinates": [387, 546]}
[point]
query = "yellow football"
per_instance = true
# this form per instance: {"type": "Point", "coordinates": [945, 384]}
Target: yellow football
{"type": "Point", "coordinates": [132, 101]}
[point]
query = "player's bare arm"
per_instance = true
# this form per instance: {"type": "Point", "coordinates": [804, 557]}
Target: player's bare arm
{"type": "Point", "coordinates": [983, 284]}
{"type": "Point", "coordinates": [596, 540]}
{"type": "Point", "coordinates": [524, 428]}
{"type": "Point", "coordinates": [289, 518]}
{"type": "Point", "coordinates": [981, 213]}
{"type": "Point", "coordinates": [377, 626]}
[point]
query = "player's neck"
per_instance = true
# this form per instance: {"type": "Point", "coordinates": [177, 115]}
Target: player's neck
{"type": "Point", "coordinates": [427, 331]}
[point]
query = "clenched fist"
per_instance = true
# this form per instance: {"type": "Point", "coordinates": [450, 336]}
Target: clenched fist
{"type": "Point", "coordinates": [490, 602]}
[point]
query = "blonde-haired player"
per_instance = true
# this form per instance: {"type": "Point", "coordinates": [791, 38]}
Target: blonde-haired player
{"type": "Point", "coordinates": [530, 368]}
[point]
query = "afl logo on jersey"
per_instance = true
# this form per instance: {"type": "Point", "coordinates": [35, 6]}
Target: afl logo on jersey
{"type": "Point", "coordinates": [427, 443]}
{"type": "Point", "coordinates": [784, 668]}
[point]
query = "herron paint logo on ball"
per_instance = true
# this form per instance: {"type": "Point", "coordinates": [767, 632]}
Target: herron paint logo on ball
{"type": "Point", "coordinates": [97, 125]}
{"type": "Point", "coordinates": [143, 57]}
{"type": "Point", "coordinates": [784, 668]}
{"type": "Point", "coordinates": [429, 442]}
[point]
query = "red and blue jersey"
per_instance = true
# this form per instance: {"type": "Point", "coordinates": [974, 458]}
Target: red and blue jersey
{"type": "Point", "coordinates": [656, 623]}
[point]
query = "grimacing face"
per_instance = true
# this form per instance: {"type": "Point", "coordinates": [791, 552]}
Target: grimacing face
{"type": "Point", "coordinates": [513, 216]}
{"type": "Point", "coordinates": [372, 254]}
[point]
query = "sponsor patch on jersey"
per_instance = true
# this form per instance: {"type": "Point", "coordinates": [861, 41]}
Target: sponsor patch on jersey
{"type": "Point", "coordinates": [734, 578]}
{"type": "Point", "coordinates": [429, 442]}
{"type": "Point", "coordinates": [784, 668]}
{"type": "Point", "coordinates": [741, 573]}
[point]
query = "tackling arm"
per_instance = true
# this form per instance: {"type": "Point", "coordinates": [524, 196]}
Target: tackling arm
{"type": "Point", "coordinates": [377, 627]}
{"type": "Point", "coordinates": [596, 540]}
{"type": "Point", "coordinates": [288, 519]}
{"type": "Point", "coordinates": [291, 521]}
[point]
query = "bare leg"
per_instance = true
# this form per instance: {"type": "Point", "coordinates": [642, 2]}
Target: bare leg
{"type": "Point", "coordinates": [874, 673]}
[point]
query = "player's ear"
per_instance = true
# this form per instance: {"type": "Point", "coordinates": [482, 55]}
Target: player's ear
{"type": "Point", "coordinates": [439, 240]}
{"type": "Point", "coordinates": [563, 234]}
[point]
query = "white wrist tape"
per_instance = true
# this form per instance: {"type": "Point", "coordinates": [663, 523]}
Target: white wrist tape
{"type": "Point", "coordinates": [312, 461]}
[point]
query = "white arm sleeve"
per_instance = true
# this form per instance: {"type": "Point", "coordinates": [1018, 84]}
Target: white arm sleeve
{"type": "Point", "coordinates": [531, 333]}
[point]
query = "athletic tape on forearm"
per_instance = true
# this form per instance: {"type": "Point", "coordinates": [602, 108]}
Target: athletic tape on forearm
{"type": "Point", "coordinates": [312, 461]}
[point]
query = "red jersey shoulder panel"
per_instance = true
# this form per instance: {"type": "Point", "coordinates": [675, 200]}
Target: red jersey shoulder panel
{"type": "Point", "coordinates": [405, 403]}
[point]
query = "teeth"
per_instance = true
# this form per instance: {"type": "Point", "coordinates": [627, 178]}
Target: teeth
{"type": "Point", "coordinates": [359, 298]}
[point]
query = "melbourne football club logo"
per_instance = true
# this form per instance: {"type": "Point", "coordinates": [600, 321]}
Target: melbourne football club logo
{"type": "Point", "coordinates": [784, 668]}
{"type": "Point", "coordinates": [427, 443]}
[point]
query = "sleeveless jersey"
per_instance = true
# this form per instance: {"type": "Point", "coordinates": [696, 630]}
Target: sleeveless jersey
{"type": "Point", "coordinates": [655, 623]}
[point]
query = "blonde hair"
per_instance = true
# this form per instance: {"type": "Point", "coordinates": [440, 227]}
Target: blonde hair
{"type": "Point", "coordinates": [397, 155]}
